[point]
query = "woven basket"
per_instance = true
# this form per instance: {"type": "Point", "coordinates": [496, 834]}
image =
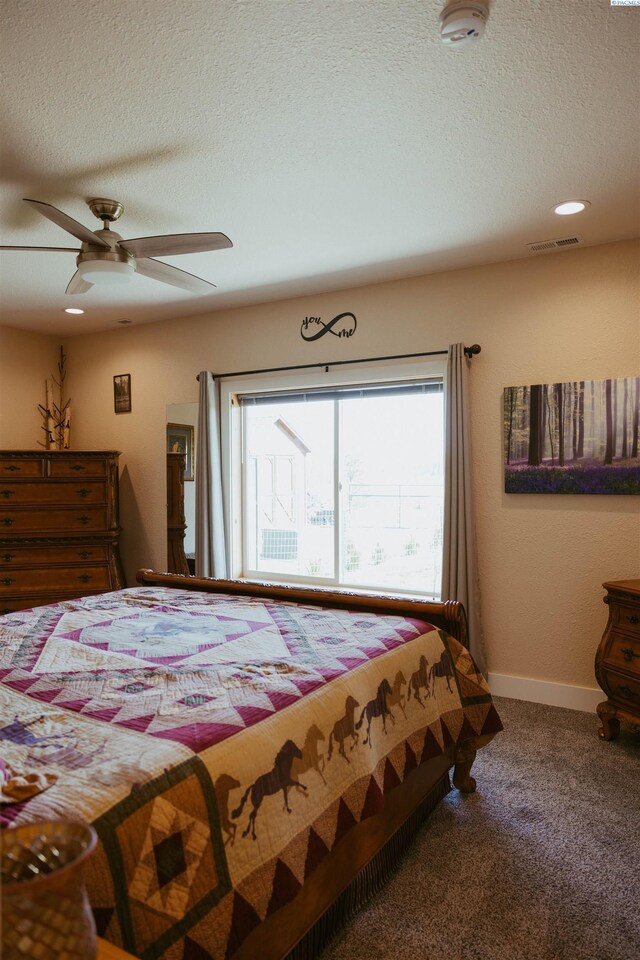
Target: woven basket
{"type": "Point", "coordinates": [45, 908]}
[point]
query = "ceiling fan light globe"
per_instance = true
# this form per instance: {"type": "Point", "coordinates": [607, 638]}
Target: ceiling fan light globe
{"type": "Point", "coordinates": [106, 272]}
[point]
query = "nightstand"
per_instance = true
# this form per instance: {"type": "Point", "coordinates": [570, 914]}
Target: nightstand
{"type": "Point", "coordinates": [618, 658]}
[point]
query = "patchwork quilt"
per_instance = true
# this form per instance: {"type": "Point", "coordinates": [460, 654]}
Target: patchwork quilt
{"type": "Point", "coordinates": [221, 746]}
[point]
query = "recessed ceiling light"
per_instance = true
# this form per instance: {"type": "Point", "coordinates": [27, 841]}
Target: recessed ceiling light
{"type": "Point", "coordinates": [567, 207]}
{"type": "Point", "coordinates": [73, 310]}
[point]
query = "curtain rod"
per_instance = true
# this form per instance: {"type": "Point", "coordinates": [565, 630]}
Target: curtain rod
{"type": "Point", "coordinates": [469, 352]}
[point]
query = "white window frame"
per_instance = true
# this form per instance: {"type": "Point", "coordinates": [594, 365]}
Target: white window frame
{"type": "Point", "coordinates": [232, 441]}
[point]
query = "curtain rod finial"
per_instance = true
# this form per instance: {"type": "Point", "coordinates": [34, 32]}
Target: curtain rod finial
{"type": "Point", "coordinates": [472, 350]}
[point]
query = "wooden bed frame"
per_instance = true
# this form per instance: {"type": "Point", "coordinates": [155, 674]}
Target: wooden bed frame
{"type": "Point", "coordinates": [448, 615]}
{"type": "Point", "coordinates": [366, 855]}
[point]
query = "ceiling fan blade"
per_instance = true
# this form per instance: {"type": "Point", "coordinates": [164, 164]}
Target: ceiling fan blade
{"type": "Point", "coordinates": [77, 284]}
{"type": "Point", "coordinates": [173, 244]}
{"type": "Point", "coordinates": [56, 249]}
{"type": "Point", "coordinates": [157, 270]}
{"type": "Point", "coordinates": [67, 223]}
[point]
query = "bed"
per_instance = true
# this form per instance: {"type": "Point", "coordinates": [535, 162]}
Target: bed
{"type": "Point", "coordinates": [254, 758]}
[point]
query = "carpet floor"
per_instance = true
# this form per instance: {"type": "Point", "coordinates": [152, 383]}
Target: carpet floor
{"type": "Point", "coordinates": [541, 863]}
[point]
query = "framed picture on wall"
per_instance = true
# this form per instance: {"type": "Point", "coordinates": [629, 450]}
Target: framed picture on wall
{"type": "Point", "coordinates": [180, 439]}
{"type": "Point", "coordinates": [122, 393]}
{"type": "Point", "coordinates": [580, 436]}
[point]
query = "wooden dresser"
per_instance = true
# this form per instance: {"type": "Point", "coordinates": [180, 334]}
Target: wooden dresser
{"type": "Point", "coordinates": [58, 526]}
{"type": "Point", "coordinates": [618, 658]}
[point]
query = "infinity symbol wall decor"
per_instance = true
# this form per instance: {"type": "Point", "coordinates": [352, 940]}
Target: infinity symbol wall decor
{"type": "Point", "coordinates": [345, 322]}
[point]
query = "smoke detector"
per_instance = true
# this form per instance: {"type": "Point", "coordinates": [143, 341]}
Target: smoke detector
{"type": "Point", "coordinates": [461, 24]}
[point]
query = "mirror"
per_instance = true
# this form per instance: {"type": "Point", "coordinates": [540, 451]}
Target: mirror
{"type": "Point", "coordinates": [182, 419]}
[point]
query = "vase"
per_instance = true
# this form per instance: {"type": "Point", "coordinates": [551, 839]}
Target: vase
{"type": "Point", "coordinates": [45, 907]}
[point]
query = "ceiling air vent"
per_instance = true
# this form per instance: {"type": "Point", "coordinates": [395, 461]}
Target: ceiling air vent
{"type": "Point", "coordinates": [544, 246]}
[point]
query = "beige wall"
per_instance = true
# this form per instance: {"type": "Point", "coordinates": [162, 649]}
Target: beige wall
{"type": "Point", "coordinates": [26, 360]}
{"type": "Point", "coordinates": [564, 316]}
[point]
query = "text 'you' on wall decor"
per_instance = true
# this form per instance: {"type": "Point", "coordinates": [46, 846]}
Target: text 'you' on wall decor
{"type": "Point", "coordinates": [576, 437]}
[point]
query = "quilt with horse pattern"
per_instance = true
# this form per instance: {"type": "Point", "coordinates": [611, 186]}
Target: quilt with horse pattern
{"type": "Point", "coordinates": [221, 746]}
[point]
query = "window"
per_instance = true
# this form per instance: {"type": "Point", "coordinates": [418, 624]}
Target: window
{"type": "Point", "coordinates": [341, 485]}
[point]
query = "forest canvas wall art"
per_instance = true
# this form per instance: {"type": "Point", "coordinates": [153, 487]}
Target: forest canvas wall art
{"type": "Point", "coordinates": [576, 437]}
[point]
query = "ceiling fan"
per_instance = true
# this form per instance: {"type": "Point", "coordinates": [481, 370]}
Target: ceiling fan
{"type": "Point", "coordinates": [105, 258]}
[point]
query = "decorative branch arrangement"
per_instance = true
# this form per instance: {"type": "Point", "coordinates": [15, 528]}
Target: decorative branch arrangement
{"type": "Point", "coordinates": [56, 416]}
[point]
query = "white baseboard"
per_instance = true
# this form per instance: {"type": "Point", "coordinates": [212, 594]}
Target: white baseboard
{"type": "Point", "coordinates": [542, 691]}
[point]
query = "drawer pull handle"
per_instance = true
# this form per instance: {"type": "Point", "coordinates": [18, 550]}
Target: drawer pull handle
{"type": "Point", "coordinates": [634, 618]}
{"type": "Point", "coordinates": [7, 493]}
{"type": "Point", "coordinates": [8, 557]}
{"type": "Point", "coordinates": [12, 468]}
{"type": "Point", "coordinates": [85, 577]}
{"type": "Point", "coordinates": [629, 654]}
{"type": "Point", "coordinates": [626, 691]}
{"type": "Point", "coordinates": [84, 492]}
{"type": "Point", "coordinates": [7, 581]}
{"type": "Point", "coordinates": [84, 519]}
{"type": "Point", "coordinates": [8, 521]}
{"type": "Point", "coordinates": [77, 467]}
{"type": "Point", "coordinates": [85, 554]}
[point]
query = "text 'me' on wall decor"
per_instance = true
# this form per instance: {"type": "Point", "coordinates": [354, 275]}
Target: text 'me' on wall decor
{"type": "Point", "coordinates": [343, 325]}
{"type": "Point", "coordinates": [576, 437]}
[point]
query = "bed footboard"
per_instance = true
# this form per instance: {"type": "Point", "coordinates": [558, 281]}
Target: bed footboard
{"type": "Point", "coordinates": [448, 615]}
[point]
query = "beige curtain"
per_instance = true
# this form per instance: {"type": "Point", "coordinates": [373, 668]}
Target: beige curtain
{"type": "Point", "coordinates": [459, 562]}
{"type": "Point", "coordinates": [211, 527]}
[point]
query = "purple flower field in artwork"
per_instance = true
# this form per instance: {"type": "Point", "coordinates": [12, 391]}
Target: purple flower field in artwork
{"type": "Point", "coordinates": [582, 478]}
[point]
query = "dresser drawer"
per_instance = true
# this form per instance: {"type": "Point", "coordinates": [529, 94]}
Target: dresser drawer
{"type": "Point", "coordinates": [68, 520]}
{"type": "Point", "coordinates": [50, 579]}
{"type": "Point", "coordinates": [624, 651]}
{"type": "Point", "coordinates": [622, 688]}
{"type": "Point", "coordinates": [16, 555]}
{"type": "Point", "coordinates": [77, 491]}
{"type": "Point", "coordinates": [17, 467]}
{"type": "Point", "coordinates": [11, 604]}
{"type": "Point", "coordinates": [25, 602]}
{"type": "Point", "coordinates": [82, 467]}
{"type": "Point", "coordinates": [627, 616]}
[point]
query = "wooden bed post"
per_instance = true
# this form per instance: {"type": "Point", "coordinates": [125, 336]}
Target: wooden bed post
{"type": "Point", "coordinates": [465, 754]}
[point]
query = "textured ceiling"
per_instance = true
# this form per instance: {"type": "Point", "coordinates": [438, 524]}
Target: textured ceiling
{"type": "Point", "coordinates": [336, 142]}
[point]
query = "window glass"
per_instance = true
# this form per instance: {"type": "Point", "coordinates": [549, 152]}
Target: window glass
{"type": "Point", "coordinates": [347, 489]}
{"type": "Point", "coordinates": [293, 446]}
{"type": "Point", "coordinates": [392, 492]}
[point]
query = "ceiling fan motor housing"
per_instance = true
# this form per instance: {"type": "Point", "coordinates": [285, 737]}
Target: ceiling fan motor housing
{"type": "Point", "coordinates": [97, 265]}
{"type": "Point", "coordinates": [462, 24]}
{"type": "Point", "coordinates": [116, 254]}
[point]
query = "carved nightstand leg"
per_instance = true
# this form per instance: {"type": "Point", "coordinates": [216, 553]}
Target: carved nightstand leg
{"type": "Point", "coordinates": [464, 756]}
{"type": "Point", "coordinates": [610, 724]}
